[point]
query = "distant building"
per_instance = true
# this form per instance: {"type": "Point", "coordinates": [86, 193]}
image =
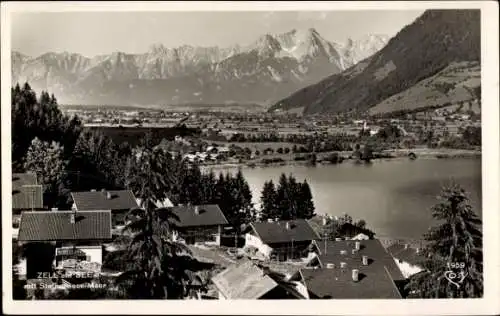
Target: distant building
{"type": "Point", "coordinates": [248, 281]}
{"type": "Point", "coordinates": [198, 223]}
{"type": "Point", "coordinates": [120, 202]}
{"type": "Point", "coordinates": [348, 269]}
{"type": "Point", "coordinates": [281, 240]}
{"type": "Point", "coordinates": [69, 240]}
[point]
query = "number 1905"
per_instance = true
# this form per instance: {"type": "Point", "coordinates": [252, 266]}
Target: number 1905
{"type": "Point", "coordinates": [456, 265]}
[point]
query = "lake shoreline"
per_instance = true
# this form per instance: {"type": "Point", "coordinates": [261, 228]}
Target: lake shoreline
{"type": "Point", "coordinates": [388, 155]}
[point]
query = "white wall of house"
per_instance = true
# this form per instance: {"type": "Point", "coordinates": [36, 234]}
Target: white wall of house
{"type": "Point", "coordinates": [254, 241]}
{"type": "Point", "coordinates": [221, 296]}
{"type": "Point", "coordinates": [94, 252]}
{"type": "Point", "coordinates": [360, 236]}
{"type": "Point", "coordinates": [407, 269]}
{"type": "Point", "coordinates": [302, 289]}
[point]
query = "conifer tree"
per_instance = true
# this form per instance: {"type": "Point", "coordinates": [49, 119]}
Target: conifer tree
{"type": "Point", "coordinates": [268, 208]}
{"type": "Point", "coordinates": [305, 201]}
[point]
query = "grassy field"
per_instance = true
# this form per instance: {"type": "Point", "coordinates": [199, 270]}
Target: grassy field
{"type": "Point", "coordinates": [451, 85]}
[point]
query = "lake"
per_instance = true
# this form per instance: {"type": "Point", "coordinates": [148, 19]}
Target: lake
{"type": "Point", "coordinates": [393, 196]}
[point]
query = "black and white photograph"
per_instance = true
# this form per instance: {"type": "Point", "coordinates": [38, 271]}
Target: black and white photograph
{"type": "Point", "coordinates": [250, 152]}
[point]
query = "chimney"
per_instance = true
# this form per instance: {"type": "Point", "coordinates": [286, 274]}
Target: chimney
{"type": "Point", "coordinates": [197, 210]}
{"type": "Point", "coordinates": [108, 195]}
{"type": "Point", "coordinates": [355, 275]}
{"type": "Point", "coordinates": [325, 221]}
{"type": "Point", "coordinates": [343, 264]}
{"type": "Point", "coordinates": [330, 266]}
{"type": "Point", "coordinates": [72, 217]}
{"type": "Point", "coordinates": [343, 252]}
{"type": "Point", "coordinates": [287, 225]}
{"type": "Point", "coordinates": [357, 245]}
{"type": "Point", "coordinates": [417, 250]}
{"type": "Point", "coordinates": [406, 246]}
{"type": "Point", "coordinates": [365, 260]}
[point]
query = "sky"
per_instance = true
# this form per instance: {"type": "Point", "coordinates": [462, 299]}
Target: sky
{"type": "Point", "coordinates": [96, 33]}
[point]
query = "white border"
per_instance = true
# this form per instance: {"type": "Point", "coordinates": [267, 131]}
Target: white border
{"type": "Point", "coordinates": [490, 177]}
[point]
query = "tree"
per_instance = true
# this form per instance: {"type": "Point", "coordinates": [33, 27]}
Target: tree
{"type": "Point", "coordinates": [456, 242]}
{"type": "Point", "coordinates": [39, 118]}
{"type": "Point", "coordinates": [192, 190]}
{"type": "Point", "coordinates": [284, 198]}
{"type": "Point", "coordinates": [46, 161]}
{"type": "Point", "coordinates": [279, 150]}
{"type": "Point", "coordinates": [305, 201]}
{"type": "Point", "coordinates": [241, 208]}
{"type": "Point", "coordinates": [97, 162]}
{"type": "Point", "coordinates": [268, 206]}
{"type": "Point", "coordinates": [161, 172]}
{"type": "Point", "coordinates": [153, 271]}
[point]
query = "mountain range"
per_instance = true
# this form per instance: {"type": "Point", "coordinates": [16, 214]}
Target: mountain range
{"type": "Point", "coordinates": [431, 62]}
{"type": "Point", "coordinates": [267, 70]}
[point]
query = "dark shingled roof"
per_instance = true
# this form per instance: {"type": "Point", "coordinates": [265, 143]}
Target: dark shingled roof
{"type": "Point", "coordinates": [373, 248]}
{"type": "Point", "coordinates": [374, 281]}
{"type": "Point", "coordinates": [56, 225]}
{"type": "Point", "coordinates": [26, 193]}
{"type": "Point", "coordinates": [243, 281]}
{"type": "Point", "coordinates": [276, 232]}
{"type": "Point", "coordinates": [209, 215]}
{"type": "Point", "coordinates": [98, 200]}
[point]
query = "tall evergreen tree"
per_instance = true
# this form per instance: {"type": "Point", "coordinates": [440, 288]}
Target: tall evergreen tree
{"type": "Point", "coordinates": [192, 187]}
{"type": "Point", "coordinates": [457, 239]}
{"type": "Point", "coordinates": [268, 207]}
{"type": "Point", "coordinates": [283, 198]}
{"type": "Point", "coordinates": [154, 271]}
{"type": "Point", "coordinates": [305, 201]}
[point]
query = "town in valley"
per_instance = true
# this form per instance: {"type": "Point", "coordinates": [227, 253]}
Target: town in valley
{"type": "Point", "coordinates": [273, 171]}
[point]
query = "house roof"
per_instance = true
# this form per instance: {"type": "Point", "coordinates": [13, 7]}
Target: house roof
{"type": "Point", "coordinates": [408, 254]}
{"type": "Point", "coordinates": [209, 215]}
{"type": "Point", "coordinates": [98, 200]}
{"type": "Point", "coordinates": [277, 232]}
{"type": "Point", "coordinates": [372, 248]}
{"type": "Point", "coordinates": [243, 281]}
{"type": "Point", "coordinates": [374, 281]}
{"type": "Point", "coordinates": [56, 225]}
{"type": "Point", "coordinates": [26, 193]}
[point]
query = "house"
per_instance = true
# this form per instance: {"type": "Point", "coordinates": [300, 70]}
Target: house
{"type": "Point", "coordinates": [64, 240]}
{"type": "Point", "coordinates": [198, 223]}
{"type": "Point", "coordinates": [407, 258]}
{"type": "Point", "coordinates": [248, 281]}
{"type": "Point", "coordinates": [362, 266]}
{"type": "Point", "coordinates": [282, 240]}
{"type": "Point", "coordinates": [118, 201]}
{"type": "Point", "coordinates": [27, 195]}
{"type": "Point", "coordinates": [361, 282]}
